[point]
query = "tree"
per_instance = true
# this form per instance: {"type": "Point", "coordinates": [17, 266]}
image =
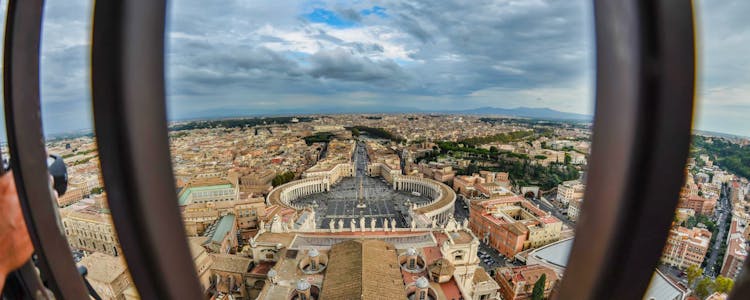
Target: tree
{"type": "Point", "coordinates": [96, 191]}
{"type": "Point", "coordinates": [704, 287]}
{"type": "Point", "coordinates": [568, 159]}
{"type": "Point", "coordinates": [723, 284]}
{"type": "Point", "coordinates": [693, 272]}
{"type": "Point", "coordinates": [282, 178]}
{"type": "Point", "coordinates": [538, 292]}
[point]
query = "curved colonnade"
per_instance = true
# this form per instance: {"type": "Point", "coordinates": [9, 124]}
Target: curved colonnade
{"type": "Point", "coordinates": [290, 191]}
{"type": "Point", "coordinates": [437, 211]}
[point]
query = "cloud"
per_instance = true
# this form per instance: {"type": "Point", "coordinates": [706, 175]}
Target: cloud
{"type": "Point", "coordinates": [723, 85]}
{"type": "Point", "coordinates": [348, 66]}
{"type": "Point", "coordinates": [262, 56]}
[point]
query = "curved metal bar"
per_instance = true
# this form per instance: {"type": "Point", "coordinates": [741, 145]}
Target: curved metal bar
{"type": "Point", "coordinates": [644, 105]}
{"type": "Point", "coordinates": [28, 155]}
{"type": "Point", "coordinates": [131, 131]}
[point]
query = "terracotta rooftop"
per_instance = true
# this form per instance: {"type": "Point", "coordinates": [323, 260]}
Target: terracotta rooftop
{"type": "Point", "coordinates": [262, 268]}
{"type": "Point", "coordinates": [276, 238]}
{"type": "Point", "coordinates": [450, 290]}
{"type": "Point", "coordinates": [480, 275]}
{"type": "Point", "coordinates": [196, 245]}
{"type": "Point", "coordinates": [442, 267]}
{"type": "Point", "coordinates": [231, 263]}
{"type": "Point", "coordinates": [461, 237]}
{"type": "Point", "coordinates": [103, 268]}
{"type": "Point", "coordinates": [363, 269]}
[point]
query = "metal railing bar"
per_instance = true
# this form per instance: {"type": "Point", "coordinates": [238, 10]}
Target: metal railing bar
{"type": "Point", "coordinates": [644, 105]}
{"type": "Point", "coordinates": [27, 151]}
{"type": "Point", "coordinates": [131, 132]}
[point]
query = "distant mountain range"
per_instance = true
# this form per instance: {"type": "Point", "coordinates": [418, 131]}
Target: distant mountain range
{"type": "Point", "coordinates": [526, 112]}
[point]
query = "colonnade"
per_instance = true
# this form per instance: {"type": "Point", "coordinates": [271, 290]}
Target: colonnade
{"type": "Point", "coordinates": [436, 212]}
{"type": "Point", "coordinates": [418, 185]}
{"type": "Point", "coordinates": [436, 191]}
{"type": "Point", "coordinates": [294, 190]}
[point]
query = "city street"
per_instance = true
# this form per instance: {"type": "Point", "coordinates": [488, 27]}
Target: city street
{"type": "Point", "coordinates": [554, 211]}
{"type": "Point", "coordinates": [723, 209]}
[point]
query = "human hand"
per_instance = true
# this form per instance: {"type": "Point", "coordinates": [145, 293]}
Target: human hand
{"type": "Point", "coordinates": [15, 244]}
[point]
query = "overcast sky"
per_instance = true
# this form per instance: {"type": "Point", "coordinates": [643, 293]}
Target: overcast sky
{"type": "Point", "coordinates": [249, 57]}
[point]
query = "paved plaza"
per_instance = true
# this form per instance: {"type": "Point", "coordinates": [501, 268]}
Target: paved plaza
{"type": "Point", "coordinates": [381, 200]}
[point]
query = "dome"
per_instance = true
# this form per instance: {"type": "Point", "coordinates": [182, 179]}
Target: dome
{"type": "Point", "coordinates": [313, 252]}
{"type": "Point", "coordinates": [411, 251]}
{"type": "Point", "coordinates": [302, 285]}
{"type": "Point", "coordinates": [271, 273]}
{"type": "Point", "coordinates": [422, 283]}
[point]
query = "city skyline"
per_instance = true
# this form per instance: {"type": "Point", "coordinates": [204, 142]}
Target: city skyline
{"type": "Point", "coordinates": [262, 58]}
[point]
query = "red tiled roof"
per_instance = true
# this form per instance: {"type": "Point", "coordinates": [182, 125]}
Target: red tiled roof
{"type": "Point", "coordinates": [262, 268]}
{"type": "Point", "coordinates": [450, 289]}
{"type": "Point", "coordinates": [432, 254]}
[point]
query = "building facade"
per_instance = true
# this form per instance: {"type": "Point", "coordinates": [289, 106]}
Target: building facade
{"type": "Point", "coordinates": [512, 224]}
{"type": "Point", "coordinates": [570, 190]}
{"type": "Point", "coordinates": [88, 226]}
{"type": "Point", "coordinates": [736, 253]}
{"type": "Point", "coordinates": [686, 247]}
{"type": "Point", "coordinates": [517, 283]}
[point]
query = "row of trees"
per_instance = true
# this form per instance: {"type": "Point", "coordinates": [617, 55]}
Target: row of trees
{"type": "Point", "coordinates": [705, 286]}
{"type": "Point", "coordinates": [692, 221]}
{"type": "Point", "coordinates": [376, 132]}
{"type": "Point", "coordinates": [731, 156]}
{"type": "Point", "coordinates": [282, 178]}
{"type": "Point", "coordinates": [498, 138]}
{"type": "Point", "coordinates": [520, 168]}
{"type": "Point", "coordinates": [238, 123]}
{"type": "Point", "coordinates": [320, 137]}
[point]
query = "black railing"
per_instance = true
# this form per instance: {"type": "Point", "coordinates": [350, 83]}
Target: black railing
{"type": "Point", "coordinates": [644, 104]}
{"type": "Point", "coordinates": [28, 156]}
{"type": "Point", "coordinates": [131, 129]}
